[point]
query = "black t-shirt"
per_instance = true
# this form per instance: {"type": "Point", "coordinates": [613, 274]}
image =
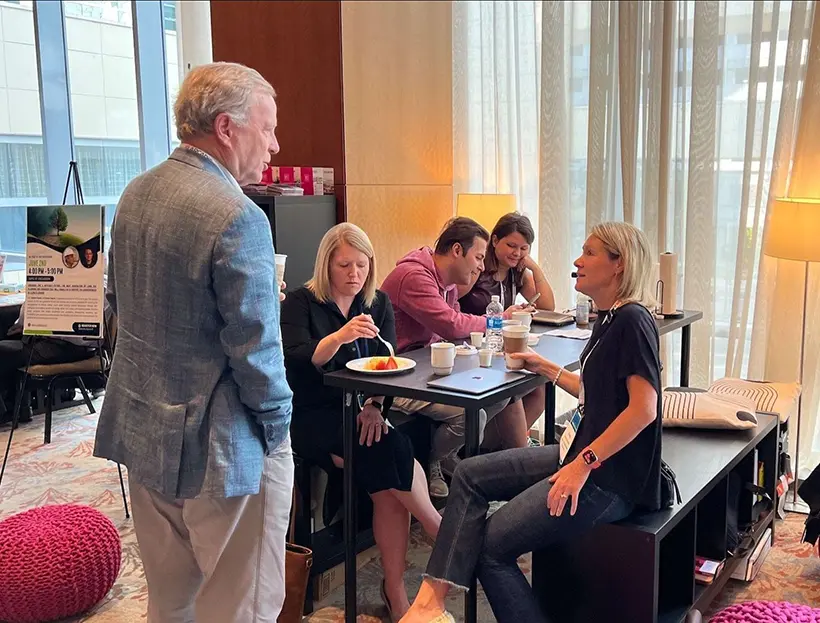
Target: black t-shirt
{"type": "Point", "coordinates": [627, 345]}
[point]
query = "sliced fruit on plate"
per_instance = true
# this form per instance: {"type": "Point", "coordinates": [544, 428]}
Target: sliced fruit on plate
{"type": "Point", "coordinates": [382, 363]}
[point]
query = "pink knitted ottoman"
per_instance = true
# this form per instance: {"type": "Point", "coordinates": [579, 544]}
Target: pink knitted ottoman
{"type": "Point", "coordinates": [56, 562]}
{"type": "Point", "coordinates": [767, 612]}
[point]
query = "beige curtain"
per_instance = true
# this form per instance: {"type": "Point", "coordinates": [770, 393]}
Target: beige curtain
{"type": "Point", "coordinates": [775, 348]}
{"type": "Point", "coordinates": [662, 113]}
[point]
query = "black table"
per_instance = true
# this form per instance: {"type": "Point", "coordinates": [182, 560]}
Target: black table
{"type": "Point", "coordinates": [563, 351]}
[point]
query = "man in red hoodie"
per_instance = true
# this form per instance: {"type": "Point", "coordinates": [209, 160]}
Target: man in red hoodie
{"type": "Point", "coordinates": [423, 291]}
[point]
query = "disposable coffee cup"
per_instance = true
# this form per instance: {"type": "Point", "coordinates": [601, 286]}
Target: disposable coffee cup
{"type": "Point", "coordinates": [442, 357]}
{"type": "Point", "coordinates": [515, 341]}
{"type": "Point", "coordinates": [525, 318]}
{"type": "Point", "coordinates": [485, 358]}
{"type": "Point", "coordinates": [476, 338]}
{"type": "Point", "coordinates": [280, 260]}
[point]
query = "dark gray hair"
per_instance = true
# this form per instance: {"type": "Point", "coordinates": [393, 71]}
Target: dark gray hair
{"type": "Point", "coordinates": [215, 88]}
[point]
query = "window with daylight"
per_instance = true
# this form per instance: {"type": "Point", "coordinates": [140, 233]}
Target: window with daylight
{"type": "Point", "coordinates": [104, 123]}
{"type": "Point", "coordinates": [22, 168]}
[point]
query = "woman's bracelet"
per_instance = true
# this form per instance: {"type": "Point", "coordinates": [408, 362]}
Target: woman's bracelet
{"type": "Point", "coordinates": [558, 376]}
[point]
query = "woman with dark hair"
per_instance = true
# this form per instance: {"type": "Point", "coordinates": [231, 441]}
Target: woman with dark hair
{"type": "Point", "coordinates": [508, 269]}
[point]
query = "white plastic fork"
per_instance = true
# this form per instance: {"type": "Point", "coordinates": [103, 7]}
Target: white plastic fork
{"type": "Point", "coordinates": [386, 343]}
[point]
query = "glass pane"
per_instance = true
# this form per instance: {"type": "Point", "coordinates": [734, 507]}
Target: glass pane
{"type": "Point", "coordinates": [103, 79]}
{"type": "Point", "coordinates": [172, 64]}
{"type": "Point", "coordinates": [22, 166]}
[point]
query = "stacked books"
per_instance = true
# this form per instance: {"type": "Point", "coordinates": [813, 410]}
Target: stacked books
{"type": "Point", "coordinates": [707, 570]}
{"type": "Point", "coordinates": [276, 190]}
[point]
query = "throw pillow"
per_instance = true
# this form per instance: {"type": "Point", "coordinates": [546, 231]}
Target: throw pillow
{"type": "Point", "coordinates": [777, 398]}
{"type": "Point", "coordinates": [693, 409]}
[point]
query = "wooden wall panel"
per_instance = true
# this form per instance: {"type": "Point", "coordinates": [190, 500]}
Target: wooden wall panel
{"type": "Point", "coordinates": [399, 218]}
{"type": "Point", "coordinates": [296, 46]}
{"type": "Point", "coordinates": [397, 73]}
{"type": "Point", "coordinates": [398, 105]}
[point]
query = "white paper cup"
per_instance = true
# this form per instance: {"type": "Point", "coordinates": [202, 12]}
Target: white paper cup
{"type": "Point", "coordinates": [515, 341]}
{"type": "Point", "coordinates": [280, 260]}
{"type": "Point", "coordinates": [525, 318]}
{"type": "Point", "coordinates": [485, 358]}
{"type": "Point", "coordinates": [442, 357]}
{"type": "Point", "coordinates": [476, 337]}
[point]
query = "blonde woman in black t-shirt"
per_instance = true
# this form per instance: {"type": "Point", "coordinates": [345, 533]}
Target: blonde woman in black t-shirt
{"type": "Point", "coordinates": [607, 463]}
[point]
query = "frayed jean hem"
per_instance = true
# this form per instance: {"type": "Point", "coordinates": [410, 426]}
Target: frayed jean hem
{"type": "Point", "coordinates": [458, 587]}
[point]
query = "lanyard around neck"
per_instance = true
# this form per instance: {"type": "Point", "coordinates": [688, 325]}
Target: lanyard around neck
{"type": "Point", "coordinates": [501, 286]}
{"type": "Point", "coordinates": [607, 319]}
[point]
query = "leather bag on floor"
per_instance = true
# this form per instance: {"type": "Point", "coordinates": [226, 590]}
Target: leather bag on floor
{"type": "Point", "coordinates": [298, 561]}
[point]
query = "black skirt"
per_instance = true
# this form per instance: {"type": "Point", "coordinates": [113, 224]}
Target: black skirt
{"type": "Point", "coordinates": [385, 465]}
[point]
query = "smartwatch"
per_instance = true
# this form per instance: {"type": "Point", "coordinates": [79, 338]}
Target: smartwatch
{"type": "Point", "coordinates": [590, 458]}
{"type": "Point", "coordinates": [378, 405]}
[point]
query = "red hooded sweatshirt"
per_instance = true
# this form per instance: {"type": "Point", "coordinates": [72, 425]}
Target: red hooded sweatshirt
{"type": "Point", "coordinates": [426, 310]}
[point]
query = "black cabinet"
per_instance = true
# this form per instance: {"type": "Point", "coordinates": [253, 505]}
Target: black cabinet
{"type": "Point", "coordinates": [298, 224]}
{"type": "Point", "coordinates": [641, 569]}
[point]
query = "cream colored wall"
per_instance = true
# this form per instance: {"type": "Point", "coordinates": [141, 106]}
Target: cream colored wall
{"type": "Point", "coordinates": [397, 75]}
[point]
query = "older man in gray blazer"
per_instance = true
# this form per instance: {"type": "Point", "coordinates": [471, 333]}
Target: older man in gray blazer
{"type": "Point", "coordinates": [197, 406]}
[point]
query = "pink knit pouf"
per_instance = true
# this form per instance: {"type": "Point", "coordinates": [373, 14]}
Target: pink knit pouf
{"type": "Point", "coordinates": [767, 612]}
{"type": "Point", "coordinates": [56, 562]}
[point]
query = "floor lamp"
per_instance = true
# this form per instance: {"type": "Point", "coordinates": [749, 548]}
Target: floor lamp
{"type": "Point", "coordinates": [793, 233]}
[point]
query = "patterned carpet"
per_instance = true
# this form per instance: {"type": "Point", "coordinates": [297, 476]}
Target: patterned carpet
{"type": "Point", "coordinates": [65, 472]}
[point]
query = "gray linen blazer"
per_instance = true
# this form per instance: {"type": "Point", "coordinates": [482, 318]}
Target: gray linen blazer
{"type": "Point", "coordinates": [197, 394]}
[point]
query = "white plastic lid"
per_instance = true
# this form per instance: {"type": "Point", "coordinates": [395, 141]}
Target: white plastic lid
{"type": "Point", "coordinates": [495, 298]}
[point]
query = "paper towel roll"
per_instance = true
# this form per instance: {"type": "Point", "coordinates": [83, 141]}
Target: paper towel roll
{"type": "Point", "coordinates": [669, 278]}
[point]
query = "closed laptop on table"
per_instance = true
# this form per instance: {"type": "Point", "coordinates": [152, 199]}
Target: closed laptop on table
{"type": "Point", "coordinates": [476, 381]}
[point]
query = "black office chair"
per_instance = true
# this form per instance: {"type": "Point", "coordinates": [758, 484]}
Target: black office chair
{"type": "Point", "coordinates": [52, 375]}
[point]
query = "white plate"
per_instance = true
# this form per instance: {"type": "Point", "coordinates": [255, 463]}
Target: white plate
{"type": "Point", "coordinates": [358, 365]}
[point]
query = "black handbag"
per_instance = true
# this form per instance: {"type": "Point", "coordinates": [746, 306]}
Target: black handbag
{"type": "Point", "coordinates": [670, 493]}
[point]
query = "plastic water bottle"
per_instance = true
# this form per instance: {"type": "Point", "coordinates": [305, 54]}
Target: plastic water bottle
{"type": "Point", "coordinates": [495, 311]}
{"type": "Point", "coordinates": [582, 311]}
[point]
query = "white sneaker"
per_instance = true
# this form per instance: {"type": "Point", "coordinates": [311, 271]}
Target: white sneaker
{"type": "Point", "coordinates": [438, 488]}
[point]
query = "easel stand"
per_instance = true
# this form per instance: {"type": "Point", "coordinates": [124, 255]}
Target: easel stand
{"type": "Point", "coordinates": [73, 172]}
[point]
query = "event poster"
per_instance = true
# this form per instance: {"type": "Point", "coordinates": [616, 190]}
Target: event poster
{"type": "Point", "coordinates": [64, 271]}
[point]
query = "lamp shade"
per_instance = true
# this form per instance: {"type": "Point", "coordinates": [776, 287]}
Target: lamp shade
{"type": "Point", "coordinates": [793, 231]}
{"type": "Point", "coordinates": [484, 209]}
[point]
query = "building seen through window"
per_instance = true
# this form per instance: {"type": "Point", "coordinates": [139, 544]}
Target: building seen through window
{"type": "Point", "coordinates": [103, 97]}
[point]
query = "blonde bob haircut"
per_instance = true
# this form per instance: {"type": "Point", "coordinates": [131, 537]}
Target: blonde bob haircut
{"type": "Point", "coordinates": [343, 233]}
{"type": "Point", "coordinates": [630, 244]}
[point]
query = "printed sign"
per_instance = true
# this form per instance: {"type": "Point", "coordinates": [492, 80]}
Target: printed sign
{"type": "Point", "coordinates": [64, 270]}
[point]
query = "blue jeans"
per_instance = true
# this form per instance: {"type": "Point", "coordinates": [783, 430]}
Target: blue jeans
{"type": "Point", "coordinates": [471, 543]}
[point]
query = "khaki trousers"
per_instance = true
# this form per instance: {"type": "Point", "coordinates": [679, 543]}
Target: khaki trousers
{"type": "Point", "coordinates": [449, 435]}
{"type": "Point", "coordinates": [216, 560]}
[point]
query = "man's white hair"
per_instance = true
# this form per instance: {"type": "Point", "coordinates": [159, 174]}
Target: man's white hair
{"type": "Point", "coordinates": [215, 88]}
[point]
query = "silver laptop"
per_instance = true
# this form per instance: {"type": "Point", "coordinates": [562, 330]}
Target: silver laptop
{"type": "Point", "coordinates": [476, 381]}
